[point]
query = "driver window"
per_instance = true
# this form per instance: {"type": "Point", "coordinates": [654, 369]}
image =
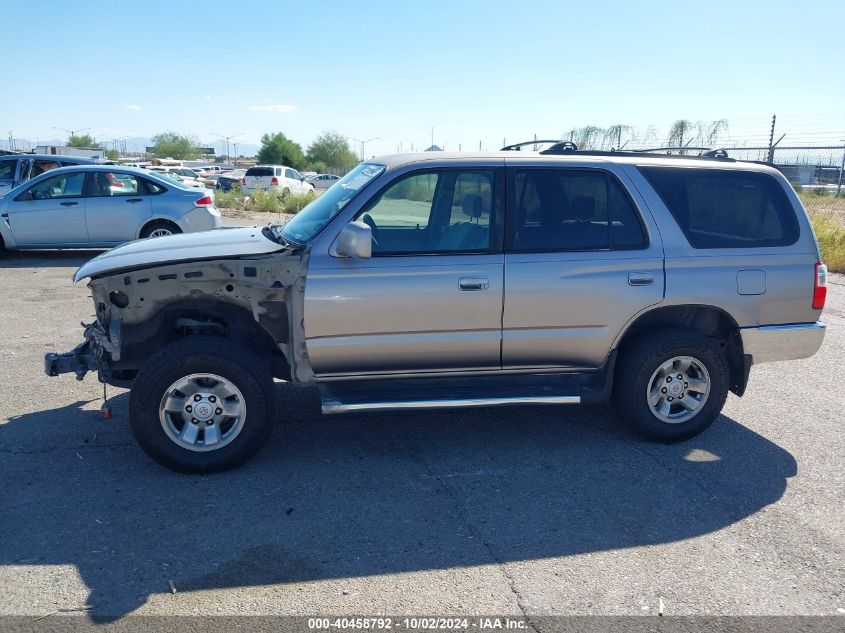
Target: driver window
{"type": "Point", "coordinates": [60, 186]}
{"type": "Point", "coordinates": [433, 212]}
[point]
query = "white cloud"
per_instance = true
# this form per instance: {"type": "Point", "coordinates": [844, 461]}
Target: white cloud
{"type": "Point", "coordinates": [132, 106]}
{"type": "Point", "coordinates": [275, 107]}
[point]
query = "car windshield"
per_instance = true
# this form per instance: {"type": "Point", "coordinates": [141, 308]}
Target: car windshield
{"type": "Point", "coordinates": [321, 211]}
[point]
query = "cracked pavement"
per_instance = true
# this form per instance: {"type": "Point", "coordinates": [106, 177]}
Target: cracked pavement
{"type": "Point", "coordinates": [513, 511]}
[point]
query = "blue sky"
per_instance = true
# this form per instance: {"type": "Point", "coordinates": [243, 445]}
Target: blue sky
{"type": "Point", "coordinates": [475, 71]}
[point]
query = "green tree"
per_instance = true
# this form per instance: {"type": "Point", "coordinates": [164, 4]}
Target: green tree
{"type": "Point", "coordinates": [278, 149]}
{"type": "Point", "coordinates": [331, 149]}
{"type": "Point", "coordinates": [86, 140]}
{"type": "Point", "coordinates": [111, 154]}
{"type": "Point", "coordinates": [172, 145]}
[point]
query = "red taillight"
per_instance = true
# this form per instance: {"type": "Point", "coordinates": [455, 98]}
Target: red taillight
{"type": "Point", "coordinates": [205, 201]}
{"type": "Point", "coordinates": [274, 181]}
{"type": "Point", "coordinates": [820, 286]}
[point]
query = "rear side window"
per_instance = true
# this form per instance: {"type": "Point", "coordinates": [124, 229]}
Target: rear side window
{"type": "Point", "coordinates": [259, 171]}
{"type": "Point", "coordinates": [573, 210]}
{"type": "Point", "coordinates": [720, 208]}
{"type": "Point", "coordinates": [7, 169]}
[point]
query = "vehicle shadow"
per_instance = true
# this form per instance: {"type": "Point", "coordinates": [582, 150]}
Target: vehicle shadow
{"type": "Point", "coordinates": [47, 258]}
{"type": "Point", "coordinates": [360, 495]}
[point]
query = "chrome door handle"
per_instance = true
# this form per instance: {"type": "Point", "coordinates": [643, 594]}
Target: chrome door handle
{"type": "Point", "coordinates": [474, 283]}
{"type": "Point", "coordinates": [640, 279]}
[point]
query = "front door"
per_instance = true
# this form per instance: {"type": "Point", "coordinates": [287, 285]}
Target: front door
{"type": "Point", "coordinates": [50, 212]}
{"type": "Point", "coordinates": [118, 205]}
{"type": "Point", "coordinates": [579, 265]}
{"type": "Point", "coordinates": [430, 298]}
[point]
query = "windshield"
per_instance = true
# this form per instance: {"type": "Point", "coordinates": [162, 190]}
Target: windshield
{"type": "Point", "coordinates": [308, 222]}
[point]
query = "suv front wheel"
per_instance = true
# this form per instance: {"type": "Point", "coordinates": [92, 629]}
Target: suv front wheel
{"type": "Point", "coordinates": [203, 404]}
{"type": "Point", "coordinates": [671, 384]}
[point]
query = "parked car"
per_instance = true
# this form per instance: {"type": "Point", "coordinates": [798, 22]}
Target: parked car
{"type": "Point", "coordinates": [18, 168]}
{"type": "Point", "coordinates": [323, 181]}
{"type": "Point", "coordinates": [229, 179]}
{"type": "Point", "coordinates": [186, 175]}
{"type": "Point", "coordinates": [464, 280]}
{"type": "Point", "coordinates": [279, 178]}
{"type": "Point", "coordinates": [101, 206]}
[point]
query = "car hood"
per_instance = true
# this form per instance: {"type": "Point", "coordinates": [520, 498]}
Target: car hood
{"type": "Point", "coordinates": [224, 242]}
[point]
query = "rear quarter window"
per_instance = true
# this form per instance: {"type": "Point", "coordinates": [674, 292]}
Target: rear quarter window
{"type": "Point", "coordinates": [721, 208]}
{"type": "Point", "coordinates": [259, 171]}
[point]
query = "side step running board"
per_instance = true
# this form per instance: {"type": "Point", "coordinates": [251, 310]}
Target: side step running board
{"type": "Point", "coordinates": [332, 405]}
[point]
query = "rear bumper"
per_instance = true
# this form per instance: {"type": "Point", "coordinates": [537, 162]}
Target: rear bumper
{"type": "Point", "coordinates": [769, 343]}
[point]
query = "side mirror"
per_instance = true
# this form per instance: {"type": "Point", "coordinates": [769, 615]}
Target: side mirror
{"type": "Point", "coordinates": [355, 240]}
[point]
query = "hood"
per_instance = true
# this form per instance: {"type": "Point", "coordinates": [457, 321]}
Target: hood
{"type": "Point", "coordinates": [219, 243]}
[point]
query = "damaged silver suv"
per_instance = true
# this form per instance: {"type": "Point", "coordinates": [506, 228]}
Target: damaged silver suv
{"type": "Point", "coordinates": [444, 280]}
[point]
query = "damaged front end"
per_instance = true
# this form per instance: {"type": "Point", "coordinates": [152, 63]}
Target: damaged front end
{"type": "Point", "coordinates": [255, 300]}
{"type": "Point", "coordinates": [89, 355]}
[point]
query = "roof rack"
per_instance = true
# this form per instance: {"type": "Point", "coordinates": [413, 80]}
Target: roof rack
{"type": "Point", "coordinates": [566, 147]}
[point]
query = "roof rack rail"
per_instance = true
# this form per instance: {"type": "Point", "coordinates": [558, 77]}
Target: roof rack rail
{"type": "Point", "coordinates": [558, 145]}
{"type": "Point", "coordinates": [566, 147]}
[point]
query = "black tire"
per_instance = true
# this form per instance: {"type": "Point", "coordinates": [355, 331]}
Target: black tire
{"type": "Point", "coordinates": [198, 355]}
{"type": "Point", "coordinates": [159, 224]}
{"type": "Point", "coordinates": [638, 362]}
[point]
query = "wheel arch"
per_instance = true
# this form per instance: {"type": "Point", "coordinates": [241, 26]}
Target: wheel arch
{"type": "Point", "coordinates": [157, 219]}
{"type": "Point", "coordinates": [204, 317]}
{"type": "Point", "coordinates": [706, 319]}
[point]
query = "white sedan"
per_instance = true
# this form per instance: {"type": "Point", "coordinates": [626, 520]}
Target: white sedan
{"type": "Point", "coordinates": [323, 181]}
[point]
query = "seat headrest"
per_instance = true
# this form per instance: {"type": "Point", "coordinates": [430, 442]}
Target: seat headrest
{"type": "Point", "coordinates": [472, 205]}
{"type": "Point", "coordinates": [583, 208]}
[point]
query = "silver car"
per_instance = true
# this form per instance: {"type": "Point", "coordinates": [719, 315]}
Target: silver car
{"type": "Point", "coordinates": [464, 280]}
{"type": "Point", "coordinates": [101, 206]}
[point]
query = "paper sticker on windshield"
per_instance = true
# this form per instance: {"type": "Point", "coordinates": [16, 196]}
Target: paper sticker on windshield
{"type": "Point", "coordinates": [367, 174]}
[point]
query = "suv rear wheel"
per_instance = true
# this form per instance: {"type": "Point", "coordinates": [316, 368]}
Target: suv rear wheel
{"type": "Point", "coordinates": [671, 384]}
{"type": "Point", "coordinates": [203, 404]}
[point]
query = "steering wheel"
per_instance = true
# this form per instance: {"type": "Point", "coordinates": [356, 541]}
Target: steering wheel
{"type": "Point", "coordinates": [368, 220]}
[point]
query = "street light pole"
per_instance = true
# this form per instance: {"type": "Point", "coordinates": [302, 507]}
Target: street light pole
{"type": "Point", "coordinates": [71, 132]}
{"type": "Point", "coordinates": [227, 139]}
{"type": "Point", "coordinates": [363, 143]}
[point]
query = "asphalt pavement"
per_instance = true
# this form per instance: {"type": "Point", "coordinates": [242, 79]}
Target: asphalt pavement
{"type": "Point", "coordinates": [512, 511]}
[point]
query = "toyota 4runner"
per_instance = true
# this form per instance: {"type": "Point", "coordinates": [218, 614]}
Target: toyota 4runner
{"type": "Point", "coordinates": [445, 280]}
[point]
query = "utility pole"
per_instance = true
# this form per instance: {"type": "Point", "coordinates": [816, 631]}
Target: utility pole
{"type": "Point", "coordinates": [771, 140]}
{"type": "Point", "coordinates": [432, 136]}
{"type": "Point", "coordinates": [841, 169]}
{"type": "Point", "coordinates": [227, 138]}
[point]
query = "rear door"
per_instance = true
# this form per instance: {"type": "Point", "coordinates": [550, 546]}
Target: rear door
{"type": "Point", "coordinates": [581, 260]}
{"type": "Point", "coordinates": [117, 206]}
{"type": "Point", "coordinates": [430, 298]}
{"type": "Point", "coordinates": [50, 212]}
{"type": "Point", "coordinates": [295, 183]}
